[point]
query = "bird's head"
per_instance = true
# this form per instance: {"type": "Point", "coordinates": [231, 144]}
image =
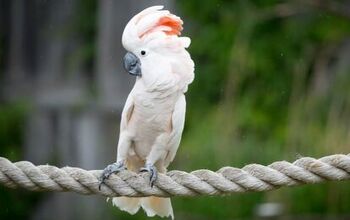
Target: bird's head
{"type": "Point", "coordinates": [152, 38]}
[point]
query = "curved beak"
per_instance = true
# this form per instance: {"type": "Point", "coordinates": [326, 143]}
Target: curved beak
{"type": "Point", "coordinates": [132, 64]}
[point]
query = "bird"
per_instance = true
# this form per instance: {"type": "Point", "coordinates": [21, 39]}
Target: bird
{"type": "Point", "coordinates": [153, 116]}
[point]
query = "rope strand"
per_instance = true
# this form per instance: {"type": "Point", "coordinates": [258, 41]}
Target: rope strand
{"type": "Point", "coordinates": [227, 180]}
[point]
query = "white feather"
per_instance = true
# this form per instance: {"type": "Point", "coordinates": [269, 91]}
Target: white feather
{"type": "Point", "coordinates": [154, 114]}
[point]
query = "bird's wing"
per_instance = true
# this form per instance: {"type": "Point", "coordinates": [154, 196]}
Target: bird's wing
{"type": "Point", "coordinates": [178, 121]}
{"type": "Point", "coordinates": [127, 111]}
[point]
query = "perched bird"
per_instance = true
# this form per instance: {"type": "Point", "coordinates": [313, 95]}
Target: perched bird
{"type": "Point", "coordinates": [154, 113]}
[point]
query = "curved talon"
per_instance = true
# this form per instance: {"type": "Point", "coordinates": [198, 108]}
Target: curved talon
{"type": "Point", "coordinates": [112, 168]}
{"type": "Point", "coordinates": [152, 171]}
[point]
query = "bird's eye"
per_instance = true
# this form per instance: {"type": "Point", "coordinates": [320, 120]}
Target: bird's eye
{"type": "Point", "coordinates": [143, 52]}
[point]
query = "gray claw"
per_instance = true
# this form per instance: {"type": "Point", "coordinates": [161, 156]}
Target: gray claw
{"type": "Point", "coordinates": [112, 168]}
{"type": "Point", "coordinates": [152, 171]}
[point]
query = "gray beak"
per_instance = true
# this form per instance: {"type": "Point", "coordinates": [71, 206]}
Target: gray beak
{"type": "Point", "coordinates": [132, 64]}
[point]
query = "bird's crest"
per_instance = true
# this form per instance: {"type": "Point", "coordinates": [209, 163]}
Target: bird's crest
{"type": "Point", "coordinates": [152, 23]}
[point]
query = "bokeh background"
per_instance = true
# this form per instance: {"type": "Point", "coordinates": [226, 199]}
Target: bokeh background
{"type": "Point", "coordinates": [272, 83]}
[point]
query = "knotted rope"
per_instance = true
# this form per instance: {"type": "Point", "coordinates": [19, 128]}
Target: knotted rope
{"type": "Point", "coordinates": [227, 180]}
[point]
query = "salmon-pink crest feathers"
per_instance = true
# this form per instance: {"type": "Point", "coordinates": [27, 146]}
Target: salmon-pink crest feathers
{"type": "Point", "coordinates": [151, 24]}
{"type": "Point", "coordinates": [169, 24]}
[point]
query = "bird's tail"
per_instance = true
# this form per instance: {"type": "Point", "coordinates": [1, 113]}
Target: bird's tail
{"type": "Point", "coordinates": [152, 205]}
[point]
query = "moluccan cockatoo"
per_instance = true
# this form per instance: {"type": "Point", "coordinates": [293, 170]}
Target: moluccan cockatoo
{"type": "Point", "coordinates": [154, 113]}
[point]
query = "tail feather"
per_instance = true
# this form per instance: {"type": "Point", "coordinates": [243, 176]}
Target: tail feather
{"type": "Point", "coordinates": [130, 205]}
{"type": "Point", "coordinates": [152, 205]}
{"type": "Point", "coordinates": [157, 206]}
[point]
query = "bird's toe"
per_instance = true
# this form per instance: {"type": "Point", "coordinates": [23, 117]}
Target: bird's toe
{"type": "Point", "coordinates": [152, 170]}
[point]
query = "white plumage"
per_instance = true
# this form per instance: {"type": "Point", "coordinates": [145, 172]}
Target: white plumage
{"type": "Point", "coordinates": [154, 113]}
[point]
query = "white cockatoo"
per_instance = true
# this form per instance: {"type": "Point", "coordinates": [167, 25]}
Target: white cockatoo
{"type": "Point", "coordinates": [154, 113]}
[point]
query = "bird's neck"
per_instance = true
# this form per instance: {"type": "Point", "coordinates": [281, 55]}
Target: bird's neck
{"type": "Point", "coordinates": [153, 82]}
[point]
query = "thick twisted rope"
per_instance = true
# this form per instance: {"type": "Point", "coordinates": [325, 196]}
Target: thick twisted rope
{"type": "Point", "coordinates": [227, 180]}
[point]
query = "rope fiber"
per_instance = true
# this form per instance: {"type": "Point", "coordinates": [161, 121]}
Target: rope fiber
{"type": "Point", "coordinates": [227, 180]}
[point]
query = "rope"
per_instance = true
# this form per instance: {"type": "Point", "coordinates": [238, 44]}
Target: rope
{"type": "Point", "coordinates": [227, 180]}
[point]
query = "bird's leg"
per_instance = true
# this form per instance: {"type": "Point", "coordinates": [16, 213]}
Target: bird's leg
{"type": "Point", "coordinates": [157, 153]}
{"type": "Point", "coordinates": [112, 168]}
{"type": "Point", "coordinates": [152, 170]}
{"type": "Point", "coordinates": [123, 148]}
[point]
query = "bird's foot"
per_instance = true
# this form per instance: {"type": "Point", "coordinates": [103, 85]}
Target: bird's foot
{"type": "Point", "coordinates": [112, 168]}
{"type": "Point", "coordinates": [152, 171]}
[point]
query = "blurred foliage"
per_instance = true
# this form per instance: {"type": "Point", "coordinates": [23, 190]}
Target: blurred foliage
{"type": "Point", "coordinates": [83, 29]}
{"type": "Point", "coordinates": [272, 83]}
{"type": "Point", "coordinates": [11, 127]}
{"type": "Point", "coordinates": [15, 204]}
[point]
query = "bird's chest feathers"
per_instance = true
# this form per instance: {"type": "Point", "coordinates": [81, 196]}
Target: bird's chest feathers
{"type": "Point", "coordinates": [155, 91]}
{"type": "Point", "coordinates": [152, 110]}
{"type": "Point", "coordinates": [153, 105]}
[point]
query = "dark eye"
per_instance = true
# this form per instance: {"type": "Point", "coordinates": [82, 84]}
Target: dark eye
{"type": "Point", "coordinates": [143, 52]}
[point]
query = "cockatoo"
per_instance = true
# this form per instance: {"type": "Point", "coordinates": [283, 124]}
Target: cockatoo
{"type": "Point", "coordinates": [154, 113]}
